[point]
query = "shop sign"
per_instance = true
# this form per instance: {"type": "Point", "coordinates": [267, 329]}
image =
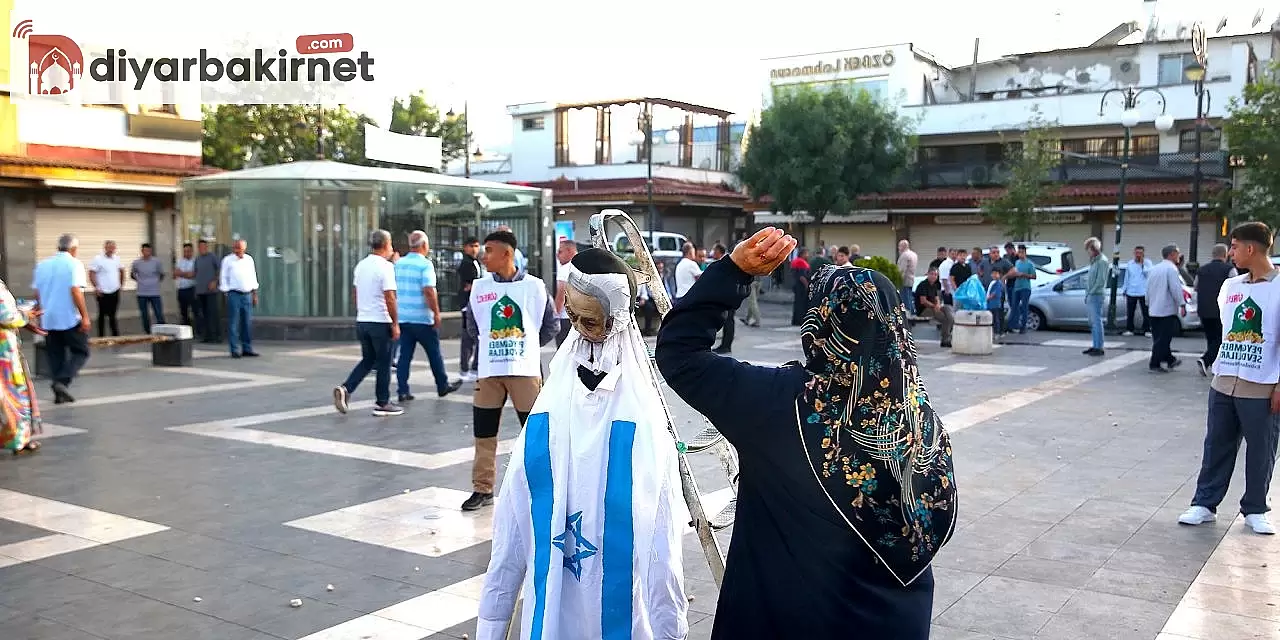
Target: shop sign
{"type": "Point", "coordinates": [974, 219]}
{"type": "Point", "coordinates": [1158, 216]}
{"type": "Point", "coordinates": [827, 67]}
{"type": "Point", "coordinates": [96, 201]}
{"type": "Point", "coordinates": [1061, 218]}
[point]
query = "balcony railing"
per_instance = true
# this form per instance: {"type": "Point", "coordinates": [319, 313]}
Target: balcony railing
{"type": "Point", "coordinates": [707, 156]}
{"type": "Point", "coordinates": [1166, 166]}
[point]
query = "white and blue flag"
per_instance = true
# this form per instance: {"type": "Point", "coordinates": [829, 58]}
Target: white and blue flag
{"type": "Point", "coordinates": [587, 527]}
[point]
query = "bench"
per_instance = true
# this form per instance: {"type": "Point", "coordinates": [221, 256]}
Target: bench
{"type": "Point", "coordinates": [171, 346]}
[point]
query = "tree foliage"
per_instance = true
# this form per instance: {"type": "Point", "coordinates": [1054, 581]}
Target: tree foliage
{"type": "Point", "coordinates": [1031, 160]}
{"type": "Point", "coordinates": [279, 133]}
{"type": "Point", "coordinates": [818, 151]}
{"type": "Point", "coordinates": [1253, 131]}
{"type": "Point", "coordinates": [885, 266]}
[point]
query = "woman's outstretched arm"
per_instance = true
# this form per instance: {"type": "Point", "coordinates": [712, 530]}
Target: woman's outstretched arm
{"type": "Point", "coordinates": [728, 392]}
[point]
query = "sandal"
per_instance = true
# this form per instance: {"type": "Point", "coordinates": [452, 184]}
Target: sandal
{"type": "Point", "coordinates": [31, 447]}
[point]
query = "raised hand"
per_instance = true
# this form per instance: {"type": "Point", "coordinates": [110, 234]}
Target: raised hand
{"type": "Point", "coordinates": [760, 254]}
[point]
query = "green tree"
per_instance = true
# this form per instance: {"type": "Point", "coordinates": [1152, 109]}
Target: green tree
{"type": "Point", "coordinates": [1253, 131]}
{"type": "Point", "coordinates": [1031, 160]}
{"type": "Point", "coordinates": [278, 133]}
{"type": "Point", "coordinates": [819, 151]}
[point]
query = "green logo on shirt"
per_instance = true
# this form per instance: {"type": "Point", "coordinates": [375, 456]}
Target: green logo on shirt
{"type": "Point", "coordinates": [1246, 325]}
{"type": "Point", "coordinates": [506, 320]}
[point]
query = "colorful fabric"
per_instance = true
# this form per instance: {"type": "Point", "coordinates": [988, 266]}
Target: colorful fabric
{"type": "Point", "coordinates": [19, 411]}
{"type": "Point", "coordinates": [874, 442]}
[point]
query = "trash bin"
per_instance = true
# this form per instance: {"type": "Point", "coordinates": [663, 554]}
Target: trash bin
{"type": "Point", "coordinates": [177, 352]}
{"type": "Point", "coordinates": [971, 335]}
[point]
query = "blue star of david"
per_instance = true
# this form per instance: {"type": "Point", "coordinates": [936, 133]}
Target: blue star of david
{"type": "Point", "coordinates": [577, 550]}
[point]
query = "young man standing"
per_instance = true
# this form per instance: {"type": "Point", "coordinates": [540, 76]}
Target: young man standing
{"type": "Point", "coordinates": [377, 326]}
{"type": "Point", "coordinates": [184, 273]}
{"type": "Point", "coordinates": [1135, 290]}
{"type": "Point", "coordinates": [206, 269]}
{"type": "Point", "coordinates": [512, 318]}
{"type": "Point", "coordinates": [687, 271]}
{"type": "Point", "coordinates": [1243, 399]}
{"type": "Point", "coordinates": [106, 274]}
{"type": "Point", "coordinates": [148, 273]}
{"type": "Point", "coordinates": [468, 272]}
{"type": "Point", "coordinates": [1023, 272]}
{"type": "Point", "coordinates": [1094, 287]}
{"type": "Point", "coordinates": [1209, 280]}
{"type": "Point", "coordinates": [418, 308]}
{"type": "Point", "coordinates": [1164, 299]}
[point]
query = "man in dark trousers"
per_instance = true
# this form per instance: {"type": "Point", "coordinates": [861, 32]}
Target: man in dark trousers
{"type": "Point", "coordinates": [468, 272]}
{"type": "Point", "coordinates": [207, 269]}
{"type": "Point", "coordinates": [718, 252]}
{"type": "Point", "coordinates": [1209, 279]}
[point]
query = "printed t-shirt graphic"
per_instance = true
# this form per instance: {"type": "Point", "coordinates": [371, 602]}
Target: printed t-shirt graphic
{"type": "Point", "coordinates": [1246, 326]}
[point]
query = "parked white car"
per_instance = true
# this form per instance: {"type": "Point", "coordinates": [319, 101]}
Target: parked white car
{"type": "Point", "coordinates": [1060, 304]}
{"type": "Point", "coordinates": [662, 244]}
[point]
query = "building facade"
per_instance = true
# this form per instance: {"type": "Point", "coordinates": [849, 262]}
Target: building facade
{"type": "Point", "coordinates": [965, 116]}
{"type": "Point", "coordinates": [102, 172]}
{"type": "Point", "coordinates": [594, 155]}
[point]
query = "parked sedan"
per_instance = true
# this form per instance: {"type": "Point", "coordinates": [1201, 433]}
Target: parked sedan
{"type": "Point", "coordinates": [1060, 304]}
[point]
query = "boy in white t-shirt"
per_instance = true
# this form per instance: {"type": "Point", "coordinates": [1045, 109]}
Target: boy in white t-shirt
{"type": "Point", "coordinates": [377, 325]}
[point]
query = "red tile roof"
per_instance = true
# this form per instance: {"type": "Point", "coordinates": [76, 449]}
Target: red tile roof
{"type": "Point", "coordinates": [972, 197]}
{"type": "Point", "coordinates": [569, 190]}
{"type": "Point", "coordinates": [85, 165]}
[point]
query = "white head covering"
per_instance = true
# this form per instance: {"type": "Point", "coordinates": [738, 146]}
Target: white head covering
{"type": "Point", "coordinates": [613, 290]}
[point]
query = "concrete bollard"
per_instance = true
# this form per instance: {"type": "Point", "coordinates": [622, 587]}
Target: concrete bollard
{"type": "Point", "coordinates": [971, 335]}
{"type": "Point", "coordinates": [177, 352]}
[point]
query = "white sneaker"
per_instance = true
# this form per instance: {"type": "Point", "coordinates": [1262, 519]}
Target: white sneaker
{"type": "Point", "coordinates": [1260, 524]}
{"type": "Point", "coordinates": [1127, 334]}
{"type": "Point", "coordinates": [468, 376]}
{"type": "Point", "coordinates": [1197, 515]}
{"type": "Point", "coordinates": [340, 397]}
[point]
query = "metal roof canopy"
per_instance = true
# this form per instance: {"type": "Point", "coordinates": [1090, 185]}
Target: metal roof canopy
{"type": "Point", "coordinates": [329, 170]}
{"type": "Point", "coordinates": [674, 104]}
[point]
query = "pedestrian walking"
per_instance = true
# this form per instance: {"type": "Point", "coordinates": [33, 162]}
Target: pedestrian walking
{"type": "Point", "coordinates": [148, 273]}
{"type": "Point", "coordinates": [238, 279]}
{"type": "Point", "coordinates": [870, 528]}
{"type": "Point", "coordinates": [19, 408]}
{"type": "Point", "coordinates": [513, 318]}
{"type": "Point", "coordinates": [1095, 286]}
{"type": "Point", "coordinates": [418, 308]}
{"type": "Point", "coordinates": [59, 289]}
{"type": "Point", "coordinates": [1208, 283]}
{"type": "Point", "coordinates": [1243, 399]}
{"type": "Point", "coordinates": [1165, 299]}
{"type": "Point", "coordinates": [377, 326]}
{"type": "Point", "coordinates": [469, 270]}
{"type": "Point", "coordinates": [106, 275]}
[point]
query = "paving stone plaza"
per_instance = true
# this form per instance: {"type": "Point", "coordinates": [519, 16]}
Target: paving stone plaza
{"type": "Point", "coordinates": [208, 502]}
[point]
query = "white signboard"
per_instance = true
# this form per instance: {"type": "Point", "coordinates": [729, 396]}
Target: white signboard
{"type": "Point", "coordinates": [417, 151]}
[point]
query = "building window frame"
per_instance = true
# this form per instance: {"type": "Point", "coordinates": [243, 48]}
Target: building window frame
{"type": "Point", "coordinates": [1164, 77]}
{"type": "Point", "coordinates": [537, 123]}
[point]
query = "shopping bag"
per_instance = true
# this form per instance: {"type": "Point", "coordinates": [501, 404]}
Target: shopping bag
{"type": "Point", "coordinates": [971, 296]}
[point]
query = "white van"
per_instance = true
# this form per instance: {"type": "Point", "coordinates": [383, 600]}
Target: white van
{"type": "Point", "coordinates": [662, 244]}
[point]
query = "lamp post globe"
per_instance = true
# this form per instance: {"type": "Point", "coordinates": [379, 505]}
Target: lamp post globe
{"type": "Point", "coordinates": [636, 138]}
{"type": "Point", "coordinates": [671, 137]}
{"type": "Point", "coordinates": [1130, 118]}
{"type": "Point", "coordinates": [1164, 123]}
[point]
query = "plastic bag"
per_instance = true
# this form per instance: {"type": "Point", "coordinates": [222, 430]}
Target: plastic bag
{"type": "Point", "coordinates": [971, 296]}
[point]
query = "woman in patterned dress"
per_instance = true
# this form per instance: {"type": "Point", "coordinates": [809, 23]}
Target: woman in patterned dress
{"type": "Point", "coordinates": [19, 411]}
{"type": "Point", "coordinates": [847, 488]}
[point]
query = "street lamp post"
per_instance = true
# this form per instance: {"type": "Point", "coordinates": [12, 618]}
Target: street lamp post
{"type": "Point", "coordinates": [1129, 118]}
{"type": "Point", "coordinates": [643, 139]}
{"type": "Point", "coordinates": [1195, 73]}
{"type": "Point", "coordinates": [466, 138]}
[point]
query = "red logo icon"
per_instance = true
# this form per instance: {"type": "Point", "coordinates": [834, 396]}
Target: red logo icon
{"type": "Point", "coordinates": [56, 63]}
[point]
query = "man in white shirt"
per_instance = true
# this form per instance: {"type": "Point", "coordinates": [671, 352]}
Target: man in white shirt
{"type": "Point", "coordinates": [238, 279]}
{"type": "Point", "coordinates": [1165, 301]}
{"type": "Point", "coordinates": [184, 272]}
{"type": "Point", "coordinates": [377, 326]}
{"type": "Point", "coordinates": [106, 274]}
{"type": "Point", "coordinates": [564, 255]}
{"type": "Point", "coordinates": [687, 271]}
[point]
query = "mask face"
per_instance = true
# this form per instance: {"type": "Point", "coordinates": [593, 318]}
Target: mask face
{"type": "Point", "coordinates": [587, 315]}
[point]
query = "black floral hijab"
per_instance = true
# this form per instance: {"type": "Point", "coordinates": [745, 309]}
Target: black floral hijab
{"type": "Point", "coordinates": [873, 441]}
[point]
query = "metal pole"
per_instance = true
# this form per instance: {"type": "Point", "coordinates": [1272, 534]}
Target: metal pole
{"type": "Point", "coordinates": [319, 132]}
{"type": "Point", "coordinates": [466, 139]}
{"type": "Point", "coordinates": [1197, 177]}
{"type": "Point", "coordinates": [651, 215]}
{"type": "Point", "coordinates": [1115, 254]}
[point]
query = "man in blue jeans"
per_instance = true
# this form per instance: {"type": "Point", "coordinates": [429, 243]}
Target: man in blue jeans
{"type": "Point", "coordinates": [377, 326]}
{"type": "Point", "coordinates": [238, 279]}
{"type": "Point", "coordinates": [1095, 285]}
{"type": "Point", "coordinates": [419, 307]}
{"type": "Point", "coordinates": [1024, 271]}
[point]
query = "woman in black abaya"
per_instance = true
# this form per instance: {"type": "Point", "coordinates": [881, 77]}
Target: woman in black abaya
{"type": "Point", "coordinates": [847, 488]}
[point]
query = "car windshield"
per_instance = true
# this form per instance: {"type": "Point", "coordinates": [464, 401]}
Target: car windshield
{"type": "Point", "coordinates": [1039, 260]}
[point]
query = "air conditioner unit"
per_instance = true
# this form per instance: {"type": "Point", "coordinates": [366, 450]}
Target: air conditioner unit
{"type": "Point", "coordinates": [978, 175]}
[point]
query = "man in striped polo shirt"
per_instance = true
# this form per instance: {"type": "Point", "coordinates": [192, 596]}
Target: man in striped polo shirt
{"type": "Point", "coordinates": [419, 317]}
